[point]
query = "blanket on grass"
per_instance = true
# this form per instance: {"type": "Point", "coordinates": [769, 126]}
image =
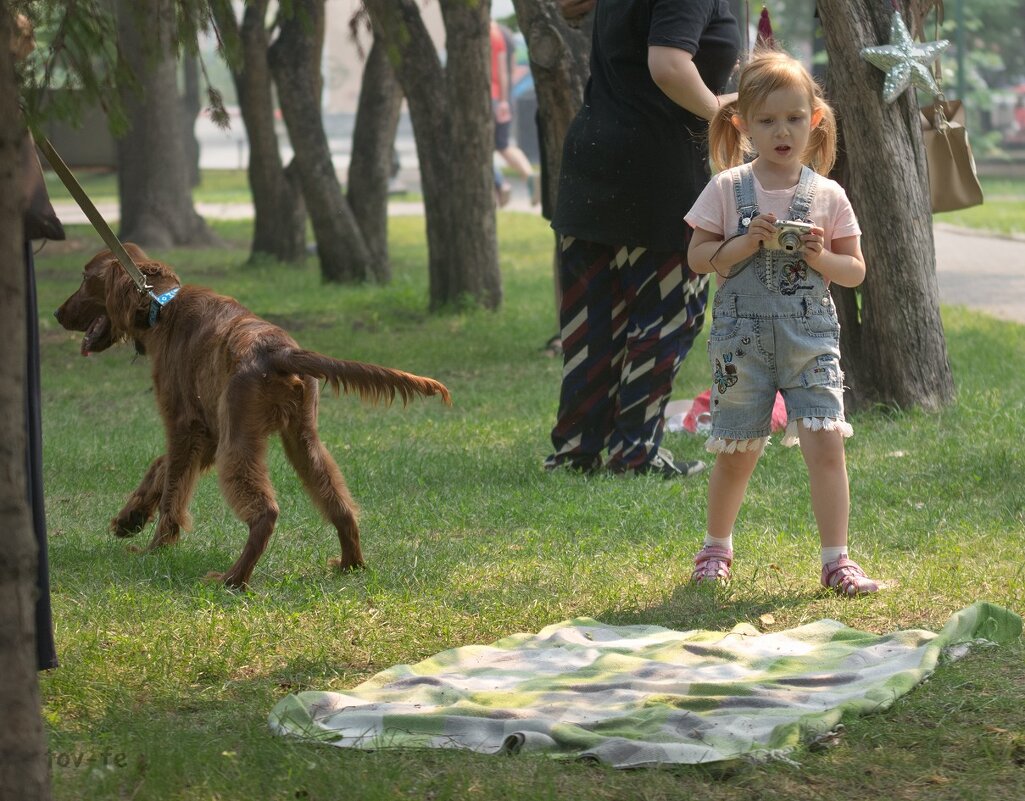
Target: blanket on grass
{"type": "Point", "coordinates": [631, 696]}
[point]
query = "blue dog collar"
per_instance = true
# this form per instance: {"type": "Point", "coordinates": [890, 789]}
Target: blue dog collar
{"type": "Point", "coordinates": [158, 302]}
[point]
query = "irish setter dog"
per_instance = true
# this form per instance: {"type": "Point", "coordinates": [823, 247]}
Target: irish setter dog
{"type": "Point", "coordinates": [225, 380]}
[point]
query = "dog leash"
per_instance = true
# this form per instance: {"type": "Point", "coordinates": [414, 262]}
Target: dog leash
{"type": "Point", "coordinates": [104, 230]}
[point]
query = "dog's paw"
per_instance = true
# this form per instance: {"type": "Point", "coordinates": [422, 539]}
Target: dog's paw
{"type": "Point", "coordinates": [128, 524]}
{"type": "Point", "coordinates": [232, 583]}
{"type": "Point", "coordinates": [343, 565]}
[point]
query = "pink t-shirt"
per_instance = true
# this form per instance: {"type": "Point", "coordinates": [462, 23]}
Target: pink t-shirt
{"type": "Point", "coordinates": [715, 210]}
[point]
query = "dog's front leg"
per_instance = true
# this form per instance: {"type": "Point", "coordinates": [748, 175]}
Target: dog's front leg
{"type": "Point", "coordinates": [187, 454]}
{"type": "Point", "coordinates": [141, 504]}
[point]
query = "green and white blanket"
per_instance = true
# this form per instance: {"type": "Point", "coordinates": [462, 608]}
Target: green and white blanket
{"type": "Point", "coordinates": [631, 696]}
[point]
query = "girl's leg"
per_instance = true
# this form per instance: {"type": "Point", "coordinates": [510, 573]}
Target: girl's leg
{"type": "Point", "coordinates": [726, 488]}
{"type": "Point", "coordinates": [830, 500]}
{"type": "Point", "coordinates": [823, 453]}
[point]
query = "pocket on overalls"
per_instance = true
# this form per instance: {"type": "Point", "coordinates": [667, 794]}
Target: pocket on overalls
{"type": "Point", "coordinates": [820, 321]}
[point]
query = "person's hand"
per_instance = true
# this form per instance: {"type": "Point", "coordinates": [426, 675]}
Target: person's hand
{"type": "Point", "coordinates": [502, 111]}
{"type": "Point", "coordinates": [814, 245]}
{"type": "Point", "coordinates": [573, 11]}
{"type": "Point", "coordinates": [761, 230]}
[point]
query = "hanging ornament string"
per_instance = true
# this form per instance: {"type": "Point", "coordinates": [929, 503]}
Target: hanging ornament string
{"type": "Point", "coordinates": [904, 62]}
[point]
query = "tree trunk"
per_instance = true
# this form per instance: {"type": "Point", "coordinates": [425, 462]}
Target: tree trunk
{"type": "Point", "coordinates": [377, 119]}
{"type": "Point", "coordinates": [560, 64]}
{"type": "Point", "coordinates": [894, 349]}
{"type": "Point", "coordinates": [23, 770]}
{"type": "Point", "coordinates": [191, 108]}
{"type": "Point", "coordinates": [450, 109]}
{"type": "Point", "coordinates": [279, 224]}
{"type": "Point", "coordinates": [153, 173]}
{"type": "Point", "coordinates": [295, 62]}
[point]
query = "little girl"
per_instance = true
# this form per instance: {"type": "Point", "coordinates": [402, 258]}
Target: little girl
{"type": "Point", "coordinates": [774, 326]}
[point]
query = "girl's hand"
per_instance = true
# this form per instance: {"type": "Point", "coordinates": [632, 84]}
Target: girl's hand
{"type": "Point", "coordinates": [761, 230]}
{"type": "Point", "coordinates": [814, 246]}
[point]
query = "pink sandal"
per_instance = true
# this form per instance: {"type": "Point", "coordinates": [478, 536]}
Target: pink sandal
{"type": "Point", "coordinates": [712, 564]}
{"type": "Point", "coordinates": [847, 578]}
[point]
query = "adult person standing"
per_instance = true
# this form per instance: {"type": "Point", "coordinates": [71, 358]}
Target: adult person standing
{"type": "Point", "coordinates": [634, 161]}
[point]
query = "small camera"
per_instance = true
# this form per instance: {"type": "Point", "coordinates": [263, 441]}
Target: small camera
{"type": "Point", "coordinates": [788, 236]}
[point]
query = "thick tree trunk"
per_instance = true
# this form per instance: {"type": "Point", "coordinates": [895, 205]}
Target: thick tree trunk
{"type": "Point", "coordinates": [191, 108]}
{"type": "Point", "coordinates": [894, 348]}
{"type": "Point", "coordinates": [279, 224]}
{"type": "Point", "coordinates": [377, 119]}
{"type": "Point", "coordinates": [23, 770]}
{"type": "Point", "coordinates": [559, 62]}
{"type": "Point", "coordinates": [450, 108]}
{"type": "Point", "coordinates": [294, 61]}
{"type": "Point", "coordinates": [153, 173]}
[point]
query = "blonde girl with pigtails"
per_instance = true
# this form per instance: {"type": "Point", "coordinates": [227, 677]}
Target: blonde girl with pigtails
{"type": "Point", "coordinates": [777, 233]}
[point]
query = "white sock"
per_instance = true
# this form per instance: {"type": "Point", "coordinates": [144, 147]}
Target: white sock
{"type": "Point", "coordinates": [726, 543]}
{"type": "Point", "coordinates": [831, 554]}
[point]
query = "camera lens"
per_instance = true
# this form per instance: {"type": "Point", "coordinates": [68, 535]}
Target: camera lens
{"type": "Point", "coordinates": [790, 241]}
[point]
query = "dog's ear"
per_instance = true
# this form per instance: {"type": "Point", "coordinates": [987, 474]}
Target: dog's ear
{"type": "Point", "coordinates": [124, 301]}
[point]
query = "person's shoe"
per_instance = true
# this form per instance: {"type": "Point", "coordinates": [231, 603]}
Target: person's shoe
{"type": "Point", "coordinates": [534, 190]}
{"type": "Point", "coordinates": [846, 577]}
{"type": "Point", "coordinates": [553, 347]}
{"type": "Point", "coordinates": [588, 466]}
{"type": "Point", "coordinates": [662, 464]}
{"type": "Point", "coordinates": [502, 195]}
{"type": "Point", "coordinates": [712, 564]}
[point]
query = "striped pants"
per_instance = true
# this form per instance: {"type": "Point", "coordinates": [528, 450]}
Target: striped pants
{"type": "Point", "coordinates": [628, 317]}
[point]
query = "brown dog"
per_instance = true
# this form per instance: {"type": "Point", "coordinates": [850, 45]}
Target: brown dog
{"type": "Point", "coordinates": [224, 381]}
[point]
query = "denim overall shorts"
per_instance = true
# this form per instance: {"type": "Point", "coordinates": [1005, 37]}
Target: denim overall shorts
{"type": "Point", "coordinates": [774, 327]}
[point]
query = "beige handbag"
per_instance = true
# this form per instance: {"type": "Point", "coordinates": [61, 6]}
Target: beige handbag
{"type": "Point", "coordinates": [953, 183]}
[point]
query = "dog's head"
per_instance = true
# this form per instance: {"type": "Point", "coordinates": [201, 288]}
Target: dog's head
{"type": "Point", "coordinates": [108, 306]}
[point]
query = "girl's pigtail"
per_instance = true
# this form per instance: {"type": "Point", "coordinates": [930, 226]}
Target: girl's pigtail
{"type": "Point", "coordinates": [725, 143]}
{"type": "Point", "coordinates": [820, 154]}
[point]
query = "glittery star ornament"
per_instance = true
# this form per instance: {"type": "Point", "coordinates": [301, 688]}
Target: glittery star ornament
{"type": "Point", "coordinates": [904, 62]}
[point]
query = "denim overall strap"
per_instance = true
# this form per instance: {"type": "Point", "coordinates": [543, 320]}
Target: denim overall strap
{"type": "Point", "coordinates": [801, 204]}
{"type": "Point", "coordinates": [744, 194]}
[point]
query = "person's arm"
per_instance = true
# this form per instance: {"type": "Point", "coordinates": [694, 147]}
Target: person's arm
{"type": "Point", "coordinates": [709, 253]}
{"type": "Point", "coordinates": [842, 264]}
{"type": "Point", "coordinates": [674, 72]}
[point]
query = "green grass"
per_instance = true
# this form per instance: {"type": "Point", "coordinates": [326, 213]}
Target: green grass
{"type": "Point", "coordinates": [166, 682]}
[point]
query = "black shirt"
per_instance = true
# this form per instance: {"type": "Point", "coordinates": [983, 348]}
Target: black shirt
{"type": "Point", "coordinates": [634, 162]}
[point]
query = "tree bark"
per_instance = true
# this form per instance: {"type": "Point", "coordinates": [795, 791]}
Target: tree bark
{"type": "Point", "coordinates": [295, 63]}
{"type": "Point", "coordinates": [23, 769]}
{"type": "Point", "coordinates": [559, 62]}
{"type": "Point", "coordinates": [191, 108]}
{"type": "Point", "coordinates": [450, 109]}
{"type": "Point", "coordinates": [279, 223]}
{"type": "Point", "coordinates": [894, 349]}
{"type": "Point", "coordinates": [153, 173]}
{"type": "Point", "coordinates": [377, 119]}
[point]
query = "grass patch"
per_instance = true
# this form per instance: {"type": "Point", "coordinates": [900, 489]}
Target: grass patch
{"type": "Point", "coordinates": [166, 682]}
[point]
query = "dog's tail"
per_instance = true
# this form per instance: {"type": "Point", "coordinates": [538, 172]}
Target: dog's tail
{"type": "Point", "coordinates": [371, 382]}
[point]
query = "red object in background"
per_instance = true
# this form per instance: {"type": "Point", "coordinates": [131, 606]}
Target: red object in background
{"type": "Point", "coordinates": [764, 38]}
{"type": "Point", "coordinates": [700, 406]}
